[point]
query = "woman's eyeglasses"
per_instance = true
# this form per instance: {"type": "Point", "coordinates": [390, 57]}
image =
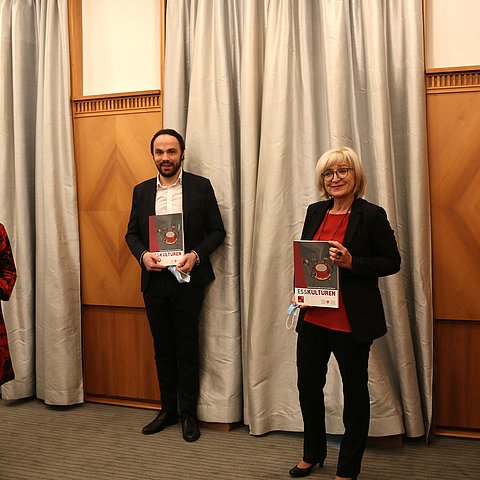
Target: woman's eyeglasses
{"type": "Point", "coordinates": [342, 172]}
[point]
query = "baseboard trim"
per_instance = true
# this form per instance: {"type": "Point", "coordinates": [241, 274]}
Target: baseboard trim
{"type": "Point", "coordinates": [456, 432]}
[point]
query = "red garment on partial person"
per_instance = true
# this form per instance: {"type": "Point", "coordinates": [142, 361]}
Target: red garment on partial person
{"type": "Point", "coordinates": [8, 275]}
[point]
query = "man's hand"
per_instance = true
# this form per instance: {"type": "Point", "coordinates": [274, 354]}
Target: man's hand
{"type": "Point", "coordinates": [186, 263]}
{"type": "Point", "coordinates": [152, 262]}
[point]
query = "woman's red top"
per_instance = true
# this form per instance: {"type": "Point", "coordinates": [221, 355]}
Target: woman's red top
{"type": "Point", "coordinates": [333, 227]}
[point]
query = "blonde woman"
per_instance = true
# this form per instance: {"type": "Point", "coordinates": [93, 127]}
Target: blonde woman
{"type": "Point", "coordinates": [363, 246]}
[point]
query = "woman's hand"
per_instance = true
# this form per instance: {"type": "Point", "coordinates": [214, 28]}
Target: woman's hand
{"type": "Point", "coordinates": [340, 255]}
{"type": "Point", "coordinates": [294, 302]}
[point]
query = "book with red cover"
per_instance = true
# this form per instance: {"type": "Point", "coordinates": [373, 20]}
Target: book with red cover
{"type": "Point", "coordinates": [166, 237]}
{"type": "Point", "coordinates": [315, 275]}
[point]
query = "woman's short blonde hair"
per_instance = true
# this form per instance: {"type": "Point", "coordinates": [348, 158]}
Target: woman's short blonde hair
{"type": "Point", "coordinates": [341, 156]}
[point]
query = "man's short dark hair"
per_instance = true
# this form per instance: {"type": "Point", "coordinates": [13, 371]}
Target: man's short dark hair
{"type": "Point", "coordinates": [171, 132]}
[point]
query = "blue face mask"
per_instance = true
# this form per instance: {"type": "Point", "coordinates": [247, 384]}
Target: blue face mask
{"type": "Point", "coordinates": [181, 277]}
{"type": "Point", "coordinates": [292, 316]}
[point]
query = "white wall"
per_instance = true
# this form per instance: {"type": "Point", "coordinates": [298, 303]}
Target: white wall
{"type": "Point", "coordinates": [121, 46]}
{"type": "Point", "coordinates": [452, 33]}
{"type": "Point", "coordinates": [121, 41]}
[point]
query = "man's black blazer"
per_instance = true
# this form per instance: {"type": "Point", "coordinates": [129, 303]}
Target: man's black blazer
{"type": "Point", "coordinates": [370, 240]}
{"type": "Point", "coordinates": [203, 225]}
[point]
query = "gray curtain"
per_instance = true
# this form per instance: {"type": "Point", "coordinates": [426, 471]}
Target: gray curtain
{"type": "Point", "coordinates": [38, 201]}
{"type": "Point", "coordinates": [261, 90]}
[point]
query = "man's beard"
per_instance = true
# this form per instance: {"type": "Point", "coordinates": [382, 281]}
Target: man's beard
{"type": "Point", "coordinates": [174, 169]}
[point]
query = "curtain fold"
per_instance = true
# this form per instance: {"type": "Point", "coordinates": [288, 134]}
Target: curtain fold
{"type": "Point", "coordinates": [261, 90]}
{"type": "Point", "coordinates": [38, 202]}
{"type": "Point", "coordinates": [220, 395]}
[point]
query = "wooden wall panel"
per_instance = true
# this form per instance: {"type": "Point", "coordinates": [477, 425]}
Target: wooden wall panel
{"type": "Point", "coordinates": [457, 365]}
{"type": "Point", "coordinates": [454, 152]}
{"type": "Point", "coordinates": [112, 155]}
{"type": "Point", "coordinates": [453, 117]}
{"type": "Point", "coordinates": [118, 356]}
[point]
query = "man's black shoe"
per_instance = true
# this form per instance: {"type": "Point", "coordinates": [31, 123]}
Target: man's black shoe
{"type": "Point", "coordinates": [162, 420]}
{"type": "Point", "coordinates": [190, 429]}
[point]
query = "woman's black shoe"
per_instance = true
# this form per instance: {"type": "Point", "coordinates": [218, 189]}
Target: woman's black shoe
{"type": "Point", "coordinates": [296, 471]}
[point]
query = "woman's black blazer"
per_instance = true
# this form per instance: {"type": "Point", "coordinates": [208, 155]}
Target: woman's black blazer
{"type": "Point", "coordinates": [370, 240]}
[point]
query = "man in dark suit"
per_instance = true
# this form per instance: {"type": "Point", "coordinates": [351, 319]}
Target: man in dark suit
{"type": "Point", "coordinates": [172, 304]}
